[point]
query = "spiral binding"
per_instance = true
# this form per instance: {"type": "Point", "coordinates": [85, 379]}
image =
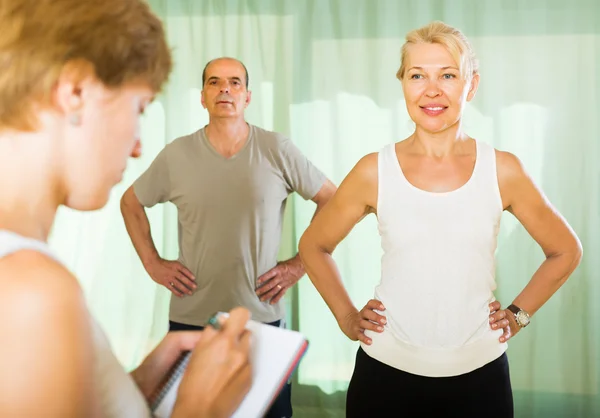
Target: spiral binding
{"type": "Point", "coordinates": [170, 379]}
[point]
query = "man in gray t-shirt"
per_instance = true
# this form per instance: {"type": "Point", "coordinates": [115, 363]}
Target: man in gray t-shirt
{"type": "Point", "coordinates": [229, 181]}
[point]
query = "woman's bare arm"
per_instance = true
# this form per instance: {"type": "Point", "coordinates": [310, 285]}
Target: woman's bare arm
{"type": "Point", "coordinates": [46, 353]}
{"type": "Point", "coordinates": [546, 226]}
{"type": "Point", "coordinates": [355, 198]}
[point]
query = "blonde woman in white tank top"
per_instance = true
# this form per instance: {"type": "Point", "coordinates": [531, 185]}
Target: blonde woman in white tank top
{"type": "Point", "coordinates": [433, 339]}
{"type": "Point", "coordinates": [74, 77]}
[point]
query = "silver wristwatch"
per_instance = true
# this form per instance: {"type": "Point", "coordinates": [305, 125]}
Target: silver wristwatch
{"type": "Point", "coordinates": [521, 316]}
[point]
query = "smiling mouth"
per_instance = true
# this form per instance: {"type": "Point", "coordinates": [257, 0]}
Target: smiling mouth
{"type": "Point", "coordinates": [433, 110]}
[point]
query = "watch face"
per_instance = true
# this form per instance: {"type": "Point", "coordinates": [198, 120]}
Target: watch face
{"type": "Point", "coordinates": [522, 318]}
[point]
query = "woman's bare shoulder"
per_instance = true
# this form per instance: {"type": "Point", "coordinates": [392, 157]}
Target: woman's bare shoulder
{"type": "Point", "coordinates": [32, 283]}
{"type": "Point", "coordinates": [47, 350]}
{"type": "Point", "coordinates": [509, 167]}
{"type": "Point", "coordinates": [366, 167]}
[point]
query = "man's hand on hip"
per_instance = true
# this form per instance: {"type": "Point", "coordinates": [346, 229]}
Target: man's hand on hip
{"type": "Point", "coordinates": [274, 283]}
{"type": "Point", "coordinates": [173, 275]}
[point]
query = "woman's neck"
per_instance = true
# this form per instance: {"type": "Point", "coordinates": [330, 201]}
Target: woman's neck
{"type": "Point", "coordinates": [438, 144]}
{"type": "Point", "coordinates": [29, 184]}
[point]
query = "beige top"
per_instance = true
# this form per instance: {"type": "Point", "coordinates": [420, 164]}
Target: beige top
{"type": "Point", "coordinates": [230, 216]}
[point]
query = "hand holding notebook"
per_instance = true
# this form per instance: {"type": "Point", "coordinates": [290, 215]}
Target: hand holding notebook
{"type": "Point", "coordinates": [274, 354]}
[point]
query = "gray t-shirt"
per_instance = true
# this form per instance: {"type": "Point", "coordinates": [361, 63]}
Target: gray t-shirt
{"type": "Point", "coordinates": [230, 215]}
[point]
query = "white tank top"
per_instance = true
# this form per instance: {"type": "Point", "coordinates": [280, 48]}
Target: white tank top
{"type": "Point", "coordinates": [437, 270]}
{"type": "Point", "coordinates": [118, 394]}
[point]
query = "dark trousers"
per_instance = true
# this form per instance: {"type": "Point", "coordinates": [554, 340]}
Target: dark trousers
{"type": "Point", "coordinates": [282, 405]}
{"type": "Point", "coordinates": [376, 389]}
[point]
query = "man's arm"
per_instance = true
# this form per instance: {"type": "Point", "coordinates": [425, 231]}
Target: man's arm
{"type": "Point", "coordinates": [324, 195]}
{"type": "Point", "coordinates": [171, 274]}
{"type": "Point", "coordinates": [138, 227]}
{"type": "Point", "coordinates": [288, 272]}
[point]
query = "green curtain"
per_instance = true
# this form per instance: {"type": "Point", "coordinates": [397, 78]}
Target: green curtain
{"type": "Point", "coordinates": [323, 71]}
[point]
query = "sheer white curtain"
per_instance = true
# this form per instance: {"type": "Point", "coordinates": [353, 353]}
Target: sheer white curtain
{"type": "Point", "coordinates": [323, 71]}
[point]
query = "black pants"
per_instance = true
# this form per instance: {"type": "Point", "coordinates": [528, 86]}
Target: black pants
{"type": "Point", "coordinates": [282, 405]}
{"type": "Point", "coordinates": [376, 389]}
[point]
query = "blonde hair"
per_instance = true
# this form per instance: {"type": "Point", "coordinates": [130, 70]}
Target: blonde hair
{"type": "Point", "coordinates": [122, 40]}
{"type": "Point", "coordinates": [449, 37]}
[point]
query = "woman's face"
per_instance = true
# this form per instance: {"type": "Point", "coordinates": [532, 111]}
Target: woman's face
{"type": "Point", "coordinates": [434, 89]}
{"type": "Point", "coordinates": [99, 144]}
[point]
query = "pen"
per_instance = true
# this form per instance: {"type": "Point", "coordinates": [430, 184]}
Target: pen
{"type": "Point", "coordinates": [214, 320]}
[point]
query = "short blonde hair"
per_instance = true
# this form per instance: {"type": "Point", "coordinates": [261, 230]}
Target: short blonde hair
{"type": "Point", "coordinates": [449, 37]}
{"type": "Point", "coordinates": [122, 40]}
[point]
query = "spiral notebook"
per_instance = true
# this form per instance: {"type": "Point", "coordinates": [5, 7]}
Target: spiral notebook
{"type": "Point", "coordinates": [274, 355]}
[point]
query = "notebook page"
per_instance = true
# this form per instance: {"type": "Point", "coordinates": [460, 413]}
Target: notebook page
{"type": "Point", "coordinates": [274, 354]}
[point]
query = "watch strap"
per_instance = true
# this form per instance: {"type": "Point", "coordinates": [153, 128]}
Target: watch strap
{"type": "Point", "coordinates": [513, 308]}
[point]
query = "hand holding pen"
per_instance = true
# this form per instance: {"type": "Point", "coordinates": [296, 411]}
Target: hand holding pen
{"type": "Point", "coordinates": [218, 375]}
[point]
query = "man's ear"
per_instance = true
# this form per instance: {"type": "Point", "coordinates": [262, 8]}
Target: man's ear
{"type": "Point", "coordinates": [248, 98]}
{"type": "Point", "coordinates": [202, 99]}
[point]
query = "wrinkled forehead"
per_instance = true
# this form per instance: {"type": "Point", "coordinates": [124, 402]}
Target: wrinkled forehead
{"type": "Point", "coordinates": [226, 69]}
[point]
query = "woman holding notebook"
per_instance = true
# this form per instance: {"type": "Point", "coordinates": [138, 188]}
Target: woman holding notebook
{"type": "Point", "coordinates": [427, 344]}
{"type": "Point", "coordinates": [75, 75]}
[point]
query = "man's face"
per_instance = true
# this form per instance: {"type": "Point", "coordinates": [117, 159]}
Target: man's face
{"type": "Point", "coordinates": [224, 94]}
